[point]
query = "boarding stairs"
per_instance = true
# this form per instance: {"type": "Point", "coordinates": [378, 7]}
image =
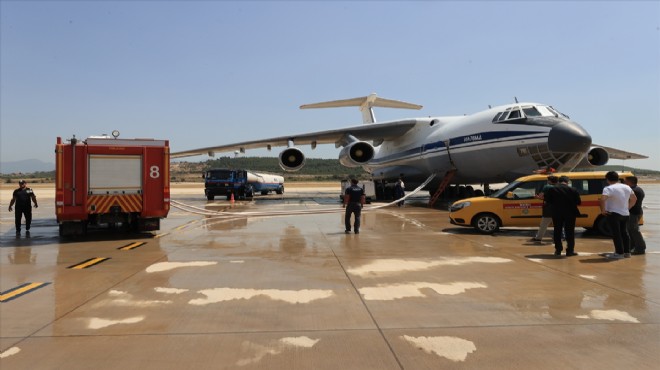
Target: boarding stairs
{"type": "Point", "coordinates": [441, 188]}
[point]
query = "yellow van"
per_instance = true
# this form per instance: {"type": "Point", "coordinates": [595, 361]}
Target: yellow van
{"type": "Point", "coordinates": [516, 204]}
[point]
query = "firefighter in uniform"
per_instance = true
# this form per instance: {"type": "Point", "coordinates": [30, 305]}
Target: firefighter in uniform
{"type": "Point", "coordinates": [354, 199]}
{"type": "Point", "coordinates": [22, 197]}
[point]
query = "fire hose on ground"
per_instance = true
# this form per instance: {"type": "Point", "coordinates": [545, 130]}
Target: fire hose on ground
{"type": "Point", "coordinates": [223, 214]}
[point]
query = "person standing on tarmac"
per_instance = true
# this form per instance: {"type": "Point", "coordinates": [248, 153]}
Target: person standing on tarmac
{"type": "Point", "coordinates": [615, 204]}
{"type": "Point", "coordinates": [637, 243]}
{"type": "Point", "coordinates": [546, 216]}
{"type": "Point", "coordinates": [23, 198]}
{"type": "Point", "coordinates": [564, 201]}
{"type": "Point", "coordinates": [399, 191]}
{"type": "Point", "coordinates": [354, 199]}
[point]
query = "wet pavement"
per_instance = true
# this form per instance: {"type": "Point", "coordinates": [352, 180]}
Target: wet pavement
{"type": "Point", "coordinates": [410, 291]}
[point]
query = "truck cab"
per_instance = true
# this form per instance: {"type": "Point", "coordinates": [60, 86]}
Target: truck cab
{"type": "Point", "coordinates": [227, 182]}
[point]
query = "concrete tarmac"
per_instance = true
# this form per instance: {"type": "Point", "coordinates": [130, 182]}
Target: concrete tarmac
{"type": "Point", "coordinates": [411, 291]}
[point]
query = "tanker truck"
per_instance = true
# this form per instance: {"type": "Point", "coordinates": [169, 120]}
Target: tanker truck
{"type": "Point", "coordinates": [243, 184]}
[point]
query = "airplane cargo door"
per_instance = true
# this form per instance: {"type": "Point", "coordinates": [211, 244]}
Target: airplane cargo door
{"type": "Point", "coordinates": [436, 153]}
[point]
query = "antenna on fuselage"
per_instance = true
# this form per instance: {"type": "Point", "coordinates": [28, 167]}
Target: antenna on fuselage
{"type": "Point", "coordinates": [516, 99]}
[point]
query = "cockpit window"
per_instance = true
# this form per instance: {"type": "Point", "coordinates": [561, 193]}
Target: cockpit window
{"type": "Point", "coordinates": [517, 112]}
{"type": "Point", "coordinates": [531, 112]}
{"type": "Point", "coordinates": [557, 113]}
{"type": "Point", "coordinates": [514, 114]}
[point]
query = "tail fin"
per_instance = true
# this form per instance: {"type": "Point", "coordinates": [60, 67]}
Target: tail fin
{"type": "Point", "coordinates": [366, 104]}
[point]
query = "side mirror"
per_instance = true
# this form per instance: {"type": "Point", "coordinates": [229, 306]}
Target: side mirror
{"type": "Point", "coordinates": [203, 176]}
{"type": "Point", "coordinates": [509, 195]}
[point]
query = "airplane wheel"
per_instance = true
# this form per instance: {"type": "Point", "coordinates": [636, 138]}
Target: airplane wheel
{"type": "Point", "coordinates": [486, 223]}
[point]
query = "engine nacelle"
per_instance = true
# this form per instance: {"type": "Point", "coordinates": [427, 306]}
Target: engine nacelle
{"type": "Point", "coordinates": [596, 156]}
{"type": "Point", "coordinates": [292, 159]}
{"type": "Point", "coordinates": [356, 154]}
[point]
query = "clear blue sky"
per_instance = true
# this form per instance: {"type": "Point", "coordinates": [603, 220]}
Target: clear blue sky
{"type": "Point", "coordinates": [208, 73]}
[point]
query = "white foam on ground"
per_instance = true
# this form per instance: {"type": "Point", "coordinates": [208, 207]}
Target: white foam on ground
{"type": "Point", "coordinates": [610, 315]}
{"type": "Point", "coordinates": [290, 296]}
{"type": "Point", "coordinates": [304, 342]}
{"type": "Point", "coordinates": [123, 299]}
{"type": "Point", "coordinates": [455, 349]}
{"type": "Point", "coordinates": [591, 277]}
{"type": "Point", "coordinates": [98, 323]}
{"type": "Point", "coordinates": [398, 265]}
{"type": "Point", "coordinates": [411, 290]}
{"type": "Point", "coordinates": [170, 290]}
{"type": "Point", "coordinates": [260, 350]}
{"type": "Point", "coordinates": [165, 266]}
{"type": "Point", "coordinates": [10, 352]}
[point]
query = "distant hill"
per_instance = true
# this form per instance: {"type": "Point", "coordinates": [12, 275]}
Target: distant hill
{"type": "Point", "coordinates": [636, 171]}
{"type": "Point", "coordinates": [315, 169]}
{"type": "Point", "coordinates": [25, 166]}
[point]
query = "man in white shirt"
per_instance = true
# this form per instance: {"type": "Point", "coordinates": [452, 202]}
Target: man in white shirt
{"type": "Point", "coordinates": [615, 203]}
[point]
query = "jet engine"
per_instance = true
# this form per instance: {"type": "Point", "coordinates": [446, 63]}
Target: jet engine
{"type": "Point", "coordinates": [356, 154]}
{"type": "Point", "coordinates": [596, 156]}
{"type": "Point", "coordinates": [292, 159]}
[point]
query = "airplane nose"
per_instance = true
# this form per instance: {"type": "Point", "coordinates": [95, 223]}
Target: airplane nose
{"type": "Point", "coordinates": [569, 137]}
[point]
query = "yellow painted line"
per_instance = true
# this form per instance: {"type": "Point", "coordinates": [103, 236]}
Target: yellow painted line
{"type": "Point", "coordinates": [90, 262]}
{"type": "Point", "coordinates": [186, 225]}
{"type": "Point", "coordinates": [161, 235]}
{"type": "Point", "coordinates": [19, 291]}
{"type": "Point", "coordinates": [134, 245]}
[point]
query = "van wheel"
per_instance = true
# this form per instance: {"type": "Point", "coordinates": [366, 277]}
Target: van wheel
{"type": "Point", "coordinates": [602, 227]}
{"type": "Point", "coordinates": [280, 190]}
{"type": "Point", "coordinates": [486, 223]}
{"type": "Point", "coordinates": [210, 197]}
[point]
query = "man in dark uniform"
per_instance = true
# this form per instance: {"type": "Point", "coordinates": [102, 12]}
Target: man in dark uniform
{"type": "Point", "coordinates": [354, 199]}
{"type": "Point", "coordinates": [23, 196]}
{"type": "Point", "coordinates": [637, 243]}
{"type": "Point", "coordinates": [564, 201]}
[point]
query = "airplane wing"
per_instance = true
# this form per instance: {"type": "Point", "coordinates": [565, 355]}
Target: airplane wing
{"type": "Point", "coordinates": [621, 154]}
{"type": "Point", "coordinates": [376, 132]}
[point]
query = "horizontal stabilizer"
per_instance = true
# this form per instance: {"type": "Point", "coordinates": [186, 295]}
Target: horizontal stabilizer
{"type": "Point", "coordinates": [365, 103]}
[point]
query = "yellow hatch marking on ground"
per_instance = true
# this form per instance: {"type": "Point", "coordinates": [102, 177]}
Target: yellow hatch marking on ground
{"type": "Point", "coordinates": [133, 245]}
{"type": "Point", "coordinates": [90, 262]}
{"type": "Point", "coordinates": [20, 290]}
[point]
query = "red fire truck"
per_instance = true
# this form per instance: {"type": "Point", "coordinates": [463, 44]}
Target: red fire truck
{"type": "Point", "coordinates": [110, 181]}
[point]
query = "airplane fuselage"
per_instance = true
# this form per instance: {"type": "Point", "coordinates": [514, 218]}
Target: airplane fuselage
{"type": "Point", "coordinates": [482, 147]}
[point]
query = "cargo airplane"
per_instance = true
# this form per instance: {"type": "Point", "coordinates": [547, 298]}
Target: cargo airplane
{"type": "Point", "coordinates": [496, 145]}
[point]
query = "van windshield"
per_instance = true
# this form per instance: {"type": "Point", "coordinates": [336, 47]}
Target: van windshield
{"type": "Point", "coordinates": [504, 190]}
{"type": "Point", "coordinates": [219, 175]}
